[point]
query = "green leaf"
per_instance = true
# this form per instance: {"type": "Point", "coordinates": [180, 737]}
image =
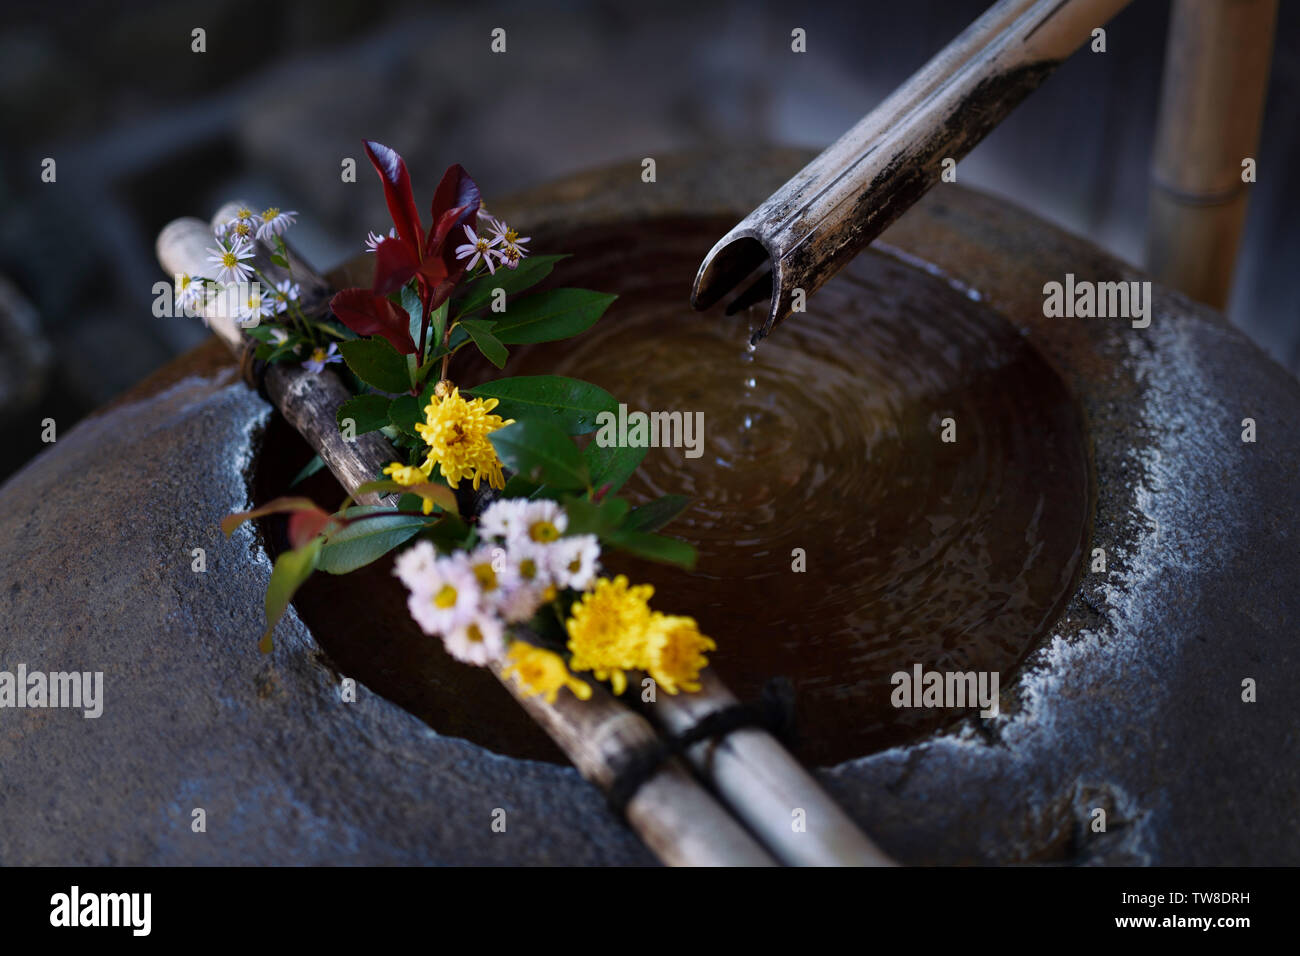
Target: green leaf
{"type": "Point", "coordinates": [480, 332]}
{"type": "Point", "coordinates": [656, 514]}
{"type": "Point", "coordinates": [377, 363]}
{"type": "Point", "coordinates": [449, 534]}
{"type": "Point", "coordinates": [612, 465]}
{"type": "Point", "coordinates": [568, 402]}
{"type": "Point", "coordinates": [529, 272]}
{"type": "Point", "coordinates": [309, 469]}
{"type": "Point", "coordinates": [541, 452]}
{"type": "Point", "coordinates": [356, 545]}
{"type": "Point", "coordinates": [588, 517]}
{"type": "Point", "coordinates": [439, 324]}
{"type": "Point", "coordinates": [410, 301]}
{"type": "Point", "coordinates": [404, 413]}
{"type": "Point", "coordinates": [655, 547]}
{"type": "Point", "coordinates": [291, 569]}
{"type": "Point", "coordinates": [368, 412]}
{"type": "Point", "coordinates": [548, 316]}
{"type": "Point", "coordinates": [458, 338]}
{"type": "Point", "coordinates": [279, 260]}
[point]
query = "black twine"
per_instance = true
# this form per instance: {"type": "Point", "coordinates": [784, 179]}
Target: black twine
{"type": "Point", "coordinates": [773, 711]}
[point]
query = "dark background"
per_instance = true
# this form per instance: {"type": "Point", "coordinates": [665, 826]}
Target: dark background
{"type": "Point", "coordinates": [143, 130]}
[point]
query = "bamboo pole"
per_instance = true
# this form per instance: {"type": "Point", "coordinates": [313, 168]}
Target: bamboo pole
{"type": "Point", "coordinates": [765, 786]}
{"type": "Point", "coordinates": [675, 816]}
{"type": "Point", "coordinates": [1212, 104]}
{"type": "Point", "coordinates": [842, 200]}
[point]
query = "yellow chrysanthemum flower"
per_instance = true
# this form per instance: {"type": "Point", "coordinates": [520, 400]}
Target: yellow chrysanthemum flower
{"type": "Point", "coordinates": [608, 628]}
{"type": "Point", "coordinates": [411, 475]}
{"type": "Point", "coordinates": [541, 671]}
{"type": "Point", "coordinates": [675, 652]}
{"type": "Point", "coordinates": [456, 432]}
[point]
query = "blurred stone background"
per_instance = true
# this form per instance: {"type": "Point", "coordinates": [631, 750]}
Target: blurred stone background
{"type": "Point", "coordinates": [143, 130]}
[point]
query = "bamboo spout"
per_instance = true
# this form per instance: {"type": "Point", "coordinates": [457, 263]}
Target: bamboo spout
{"type": "Point", "coordinates": [837, 204]}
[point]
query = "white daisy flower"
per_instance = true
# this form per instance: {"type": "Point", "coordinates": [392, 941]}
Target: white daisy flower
{"type": "Point", "coordinates": [374, 239]}
{"type": "Point", "coordinates": [477, 640]}
{"type": "Point", "coordinates": [541, 522]}
{"type": "Point", "coordinates": [500, 517]}
{"type": "Point", "coordinates": [492, 571]}
{"type": "Point", "coordinates": [274, 222]}
{"type": "Point", "coordinates": [445, 597]}
{"type": "Point", "coordinates": [243, 224]}
{"type": "Point", "coordinates": [189, 291]}
{"type": "Point", "coordinates": [255, 306]}
{"type": "Point", "coordinates": [279, 337]}
{"type": "Point", "coordinates": [512, 244]}
{"type": "Point", "coordinates": [414, 564]}
{"type": "Point", "coordinates": [230, 261]}
{"type": "Point", "coordinates": [320, 357]}
{"type": "Point", "coordinates": [285, 292]}
{"type": "Point", "coordinates": [478, 246]}
{"type": "Point", "coordinates": [530, 566]}
{"type": "Point", "coordinates": [574, 561]}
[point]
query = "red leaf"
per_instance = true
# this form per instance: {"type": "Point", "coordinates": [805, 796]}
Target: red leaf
{"type": "Point", "coordinates": [395, 263]}
{"type": "Point", "coordinates": [397, 192]}
{"type": "Point", "coordinates": [275, 506]}
{"type": "Point", "coordinates": [457, 201]}
{"type": "Point", "coordinates": [368, 314]}
{"type": "Point", "coordinates": [305, 525]}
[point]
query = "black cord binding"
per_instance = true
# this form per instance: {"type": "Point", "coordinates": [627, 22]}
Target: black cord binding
{"type": "Point", "coordinates": [774, 711]}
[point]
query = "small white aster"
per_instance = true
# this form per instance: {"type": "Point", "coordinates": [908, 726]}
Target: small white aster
{"type": "Point", "coordinates": [478, 246]}
{"type": "Point", "coordinates": [498, 519]}
{"type": "Point", "coordinates": [445, 597]}
{"type": "Point", "coordinates": [512, 248]}
{"type": "Point", "coordinates": [374, 239]}
{"type": "Point", "coordinates": [189, 291]}
{"type": "Point", "coordinates": [529, 565]}
{"type": "Point", "coordinates": [414, 564]}
{"type": "Point", "coordinates": [229, 259]}
{"type": "Point", "coordinates": [274, 222]}
{"type": "Point", "coordinates": [320, 357]}
{"type": "Point", "coordinates": [285, 292]}
{"type": "Point", "coordinates": [478, 640]}
{"type": "Point", "coordinates": [541, 522]}
{"type": "Point", "coordinates": [255, 306]}
{"type": "Point", "coordinates": [243, 225]}
{"type": "Point", "coordinates": [574, 561]}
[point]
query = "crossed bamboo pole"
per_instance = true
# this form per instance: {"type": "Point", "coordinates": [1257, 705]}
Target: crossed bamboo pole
{"type": "Point", "coordinates": [781, 814]}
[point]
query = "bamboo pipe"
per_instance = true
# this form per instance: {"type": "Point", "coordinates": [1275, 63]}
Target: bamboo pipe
{"type": "Point", "coordinates": [842, 200]}
{"type": "Point", "coordinates": [1211, 107]}
{"type": "Point", "coordinates": [765, 786]}
{"type": "Point", "coordinates": [675, 817]}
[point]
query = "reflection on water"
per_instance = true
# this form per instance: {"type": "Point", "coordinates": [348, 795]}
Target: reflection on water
{"type": "Point", "coordinates": [825, 442]}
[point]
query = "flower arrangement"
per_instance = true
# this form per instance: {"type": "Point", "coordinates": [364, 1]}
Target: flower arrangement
{"type": "Point", "coordinates": [504, 516]}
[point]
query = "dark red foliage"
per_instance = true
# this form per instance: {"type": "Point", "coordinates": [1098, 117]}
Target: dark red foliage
{"type": "Point", "coordinates": [430, 258]}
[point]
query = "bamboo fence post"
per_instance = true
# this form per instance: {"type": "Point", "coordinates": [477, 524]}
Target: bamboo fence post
{"type": "Point", "coordinates": [671, 812]}
{"type": "Point", "coordinates": [1211, 107]}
